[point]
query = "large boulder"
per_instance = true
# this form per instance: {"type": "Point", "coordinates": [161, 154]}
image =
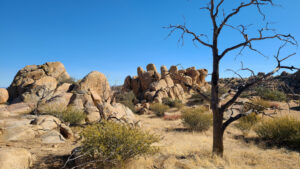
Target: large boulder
{"type": "Point", "coordinates": [118, 112]}
{"type": "Point", "coordinates": [3, 95]}
{"type": "Point", "coordinates": [95, 82]}
{"type": "Point", "coordinates": [15, 158]}
{"type": "Point", "coordinates": [34, 82]}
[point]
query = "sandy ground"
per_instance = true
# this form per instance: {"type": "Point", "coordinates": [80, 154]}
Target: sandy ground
{"type": "Point", "coordinates": [182, 149]}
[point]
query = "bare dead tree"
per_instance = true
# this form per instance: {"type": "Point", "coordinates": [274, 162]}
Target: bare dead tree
{"type": "Point", "coordinates": [265, 33]}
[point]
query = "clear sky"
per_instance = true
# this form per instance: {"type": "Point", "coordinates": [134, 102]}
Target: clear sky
{"type": "Point", "coordinates": [116, 36]}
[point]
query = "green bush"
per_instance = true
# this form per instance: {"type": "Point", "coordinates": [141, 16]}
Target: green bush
{"type": "Point", "coordinates": [246, 123]}
{"type": "Point", "coordinates": [159, 109]}
{"type": "Point", "coordinates": [280, 131]}
{"type": "Point", "coordinates": [69, 115]}
{"type": "Point", "coordinates": [127, 99]}
{"type": "Point", "coordinates": [197, 119]}
{"type": "Point", "coordinates": [111, 144]}
{"type": "Point", "coordinates": [269, 94]}
{"type": "Point", "coordinates": [173, 103]}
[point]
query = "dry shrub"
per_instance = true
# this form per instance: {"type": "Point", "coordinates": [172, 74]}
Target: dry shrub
{"type": "Point", "coordinates": [111, 144]}
{"type": "Point", "coordinates": [127, 99]}
{"type": "Point", "coordinates": [197, 119]}
{"type": "Point", "coordinates": [159, 109]}
{"type": "Point", "coordinates": [269, 94]}
{"type": "Point", "coordinates": [246, 123]}
{"type": "Point", "coordinates": [173, 103]}
{"type": "Point", "coordinates": [70, 115]}
{"type": "Point", "coordinates": [280, 131]}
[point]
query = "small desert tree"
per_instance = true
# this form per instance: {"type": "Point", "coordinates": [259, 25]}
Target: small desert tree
{"type": "Point", "coordinates": [216, 11]}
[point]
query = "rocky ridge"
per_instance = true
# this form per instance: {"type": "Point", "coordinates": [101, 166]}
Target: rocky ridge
{"type": "Point", "coordinates": [152, 86]}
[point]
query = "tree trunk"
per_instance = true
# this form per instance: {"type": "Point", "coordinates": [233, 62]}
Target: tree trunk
{"type": "Point", "coordinates": [217, 115]}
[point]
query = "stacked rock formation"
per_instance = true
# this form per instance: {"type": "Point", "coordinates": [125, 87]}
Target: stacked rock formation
{"type": "Point", "coordinates": [151, 86]}
{"type": "Point", "coordinates": [48, 87]}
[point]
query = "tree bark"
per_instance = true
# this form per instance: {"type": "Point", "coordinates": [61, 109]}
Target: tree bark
{"type": "Point", "coordinates": [218, 147]}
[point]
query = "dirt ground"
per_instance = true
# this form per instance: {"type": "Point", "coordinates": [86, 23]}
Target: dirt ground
{"type": "Point", "coordinates": [183, 149]}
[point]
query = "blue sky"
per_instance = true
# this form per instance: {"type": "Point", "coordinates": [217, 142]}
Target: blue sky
{"type": "Point", "coordinates": [116, 36]}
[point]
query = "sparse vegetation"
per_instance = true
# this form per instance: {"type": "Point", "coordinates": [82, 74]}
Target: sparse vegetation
{"type": "Point", "coordinates": [111, 144]}
{"type": "Point", "coordinates": [257, 105]}
{"type": "Point", "coordinates": [69, 115]}
{"type": "Point", "coordinates": [246, 123]}
{"type": "Point", "coordinates": [71, 80]}
{"type": "Point", "coordinates": [126, 98]}
{"type": "Point", "coordinates": [197, 119]}
{"type": "Point", "coordinates": [269, 94]}
{"type": "Point", "coordinates": [159, 109]}
{"type": "Point", "coordinates": [173, 103]}
{"type": "Point", "coordinates": [280, 131]}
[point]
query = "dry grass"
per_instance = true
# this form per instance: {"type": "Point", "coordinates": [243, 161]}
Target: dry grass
{"type": "Point", "coordinates": [192, 150]}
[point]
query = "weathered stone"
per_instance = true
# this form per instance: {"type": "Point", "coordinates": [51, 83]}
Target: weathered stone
{"type": "Point", "coordinates": [47, 122]}
{"type": "Point", "coordinates": [66, 131]}
{"type": "Point", "coordinates": [118, 112]}
{"type": "Point", "coordinates": [56, 103]}
{"type": "Point", "coordinates": [52, 137]}
{"type": "Point", "coordinates": [164, 71]}
{"type": "Point", "coordinates": [161, 84]}
{"type": "Point", "coordinates": [35, 82]}
{"type": "Point", "coordinates": [18, 133]}
{"type": "Point", "coordinates": [151, 67]}
{"type": "Point", "coordinates": [96, 82]}
{"type": "Point", "coordinates": [19, 108]}
{"type": "Point", "coordinates": [15, 158]}
{"type": "Point", "coordinates": [3, 95]}
{"type": "Point", "coordinates": [149, 95]}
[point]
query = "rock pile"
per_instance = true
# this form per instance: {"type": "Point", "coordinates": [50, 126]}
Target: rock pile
{"type": "Point", "coordinates": [48, 87]}
{"type": "Point", "coordinates": [151, 86]}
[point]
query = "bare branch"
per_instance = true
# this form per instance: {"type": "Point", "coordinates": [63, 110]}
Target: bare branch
{"type": "Point", "coordinates": [258, 79]}
{"type": "Point", "coordinates": [185, 30]}
{"type": "Point", "coordinates": [286, 38]}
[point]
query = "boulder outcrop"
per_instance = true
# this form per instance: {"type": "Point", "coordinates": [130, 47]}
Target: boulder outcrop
{"type": "Point", "coordinates": [15, 158]}
{"type": "Point", "coordinates": [151, 86]}
{"type": "Point", "coordinates": [3, 95]}
{"type": "Point", "coordinates": [47, 88]}
{"type": "Point", "coordinates": [34, 82]}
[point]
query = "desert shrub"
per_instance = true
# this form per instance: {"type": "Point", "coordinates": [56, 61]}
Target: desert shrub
{"type": "Point", "coordinates": [159, 109]}
{"type": "Point", "coordinates": [197, 119]}
{"type": "Point", "coordinates": [280, 131]}
{"type": "Point", "coordinates": [112, 144]}
{"type": "Point", "coordinates": [246, 123]}
{"type": "Point", "coordinates": [69, 115]}
{"type": "Point", "coordinates": [71, 80]}
{"type": "Point", "coordinates": [269, 94]}
{"type": "Point", "coordinates": [126, 98]}
{"type": "Point", "coordinates": [173, 103]}
{"type": "Point", "coordinates": [257, 104]}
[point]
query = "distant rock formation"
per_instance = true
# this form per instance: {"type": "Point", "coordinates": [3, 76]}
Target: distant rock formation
{"type": "Point", "coordinates": [151, 86]}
